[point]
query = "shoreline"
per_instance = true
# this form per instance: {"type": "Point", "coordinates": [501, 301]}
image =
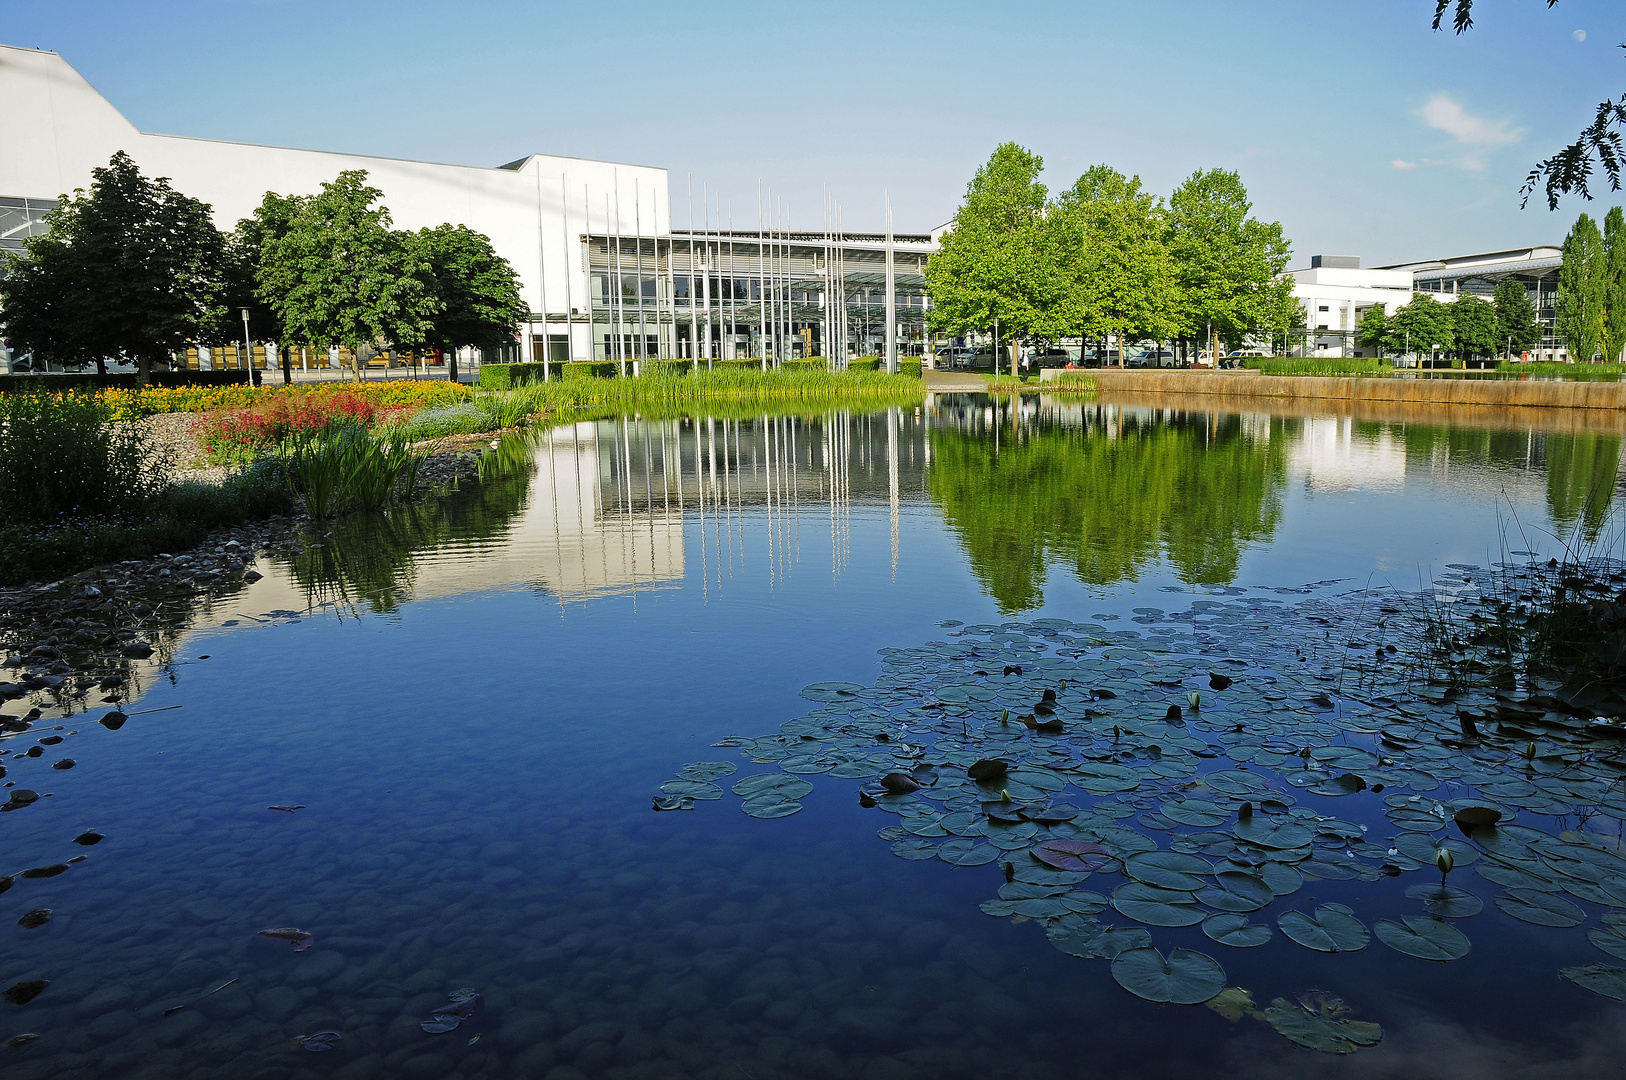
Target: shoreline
{"type": "Point", "coordinates": [1482, 393]}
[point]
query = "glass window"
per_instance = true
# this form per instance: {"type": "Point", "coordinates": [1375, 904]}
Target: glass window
{"type": "Point", "coordinates": [680, 287]}
{"type": "Point", "coordinates": [648, 288]}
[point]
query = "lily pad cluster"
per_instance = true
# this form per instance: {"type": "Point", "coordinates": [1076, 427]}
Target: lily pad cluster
{"type": "Point", "coordinates": [1198, 769]}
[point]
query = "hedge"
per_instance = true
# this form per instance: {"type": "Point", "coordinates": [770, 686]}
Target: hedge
{"type": "Point", "coordinates": [122, 381]}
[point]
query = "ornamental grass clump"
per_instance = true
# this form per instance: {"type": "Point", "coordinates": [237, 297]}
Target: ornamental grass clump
{"type": "Point", "coordinates": [332, 469]}
{"type": "Point", "coordinates": [62, 457]}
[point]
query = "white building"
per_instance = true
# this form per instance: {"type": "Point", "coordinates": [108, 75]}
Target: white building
{"type": "Point", "coordinates": [1335, 292]}
{"type": "Point", "coordinates": [604, 274]}
{"type": "Point", "coordinates": [1478, 274]}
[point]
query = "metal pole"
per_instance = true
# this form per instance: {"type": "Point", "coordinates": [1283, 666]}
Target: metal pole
{"type": "Point", "coordinates": [620, 287]}
{"type": "Point", "coordinates": [541, 275]}
{"type": "Point", "coordinates": [762, 280]}
{"type": "Point", "coordinates": [638, 227]}
{"type": "Point", "coordinates": [891, 298]}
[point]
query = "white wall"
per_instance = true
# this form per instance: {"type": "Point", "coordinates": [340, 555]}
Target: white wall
{"type": "Point", "coordinates": [55, 128]}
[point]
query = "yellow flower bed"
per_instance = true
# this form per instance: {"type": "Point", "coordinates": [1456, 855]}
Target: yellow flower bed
{"type": "Point", "coordinates": [129, 404]}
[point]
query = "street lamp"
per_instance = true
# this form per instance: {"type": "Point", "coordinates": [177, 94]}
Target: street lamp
{"type": "Point", "coordinates": [248, 348]}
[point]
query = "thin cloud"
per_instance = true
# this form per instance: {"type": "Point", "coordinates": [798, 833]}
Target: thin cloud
{"type": "Point", "coordinates": [1398, 164]}
{"type": "Point", "coordinates": [1444, 113]}
{"type": "Point", "coordinates": [1421, 163]}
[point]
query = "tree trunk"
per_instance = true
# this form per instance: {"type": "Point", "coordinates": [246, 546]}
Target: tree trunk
{"type": "Point", "coordinates": [451, 363]}
{"type": "Point", "coordinates": [1014, 350]}
{"type": "Point", "coordinates": [287, 354]}
{"type": "Point", "coordinates": [143, 366]}
{"type": "Point", "coordinates": [101, 365]}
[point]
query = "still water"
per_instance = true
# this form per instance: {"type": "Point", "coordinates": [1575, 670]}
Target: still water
{"type": "Point", "coordinates": [473, 703]}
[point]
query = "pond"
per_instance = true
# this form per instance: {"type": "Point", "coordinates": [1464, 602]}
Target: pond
{"type": "Point", "coordinates": [471, 706]}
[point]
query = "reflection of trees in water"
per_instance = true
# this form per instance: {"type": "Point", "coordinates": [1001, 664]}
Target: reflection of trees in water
{"type": "Point", "coordinates": [1581, 471]}
{"type": "Point", "coordinates": [1581, 467]}
{"type": "Point", "coordinates": [369, 558]}
{"type": "Point", "coordinates": [1194, 489]}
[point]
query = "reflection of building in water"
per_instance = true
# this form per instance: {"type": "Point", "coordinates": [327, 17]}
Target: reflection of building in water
{"type": "Point", "coordinates": [754, 485]}
{"type": "Point", "coordinates": [1332, 455]}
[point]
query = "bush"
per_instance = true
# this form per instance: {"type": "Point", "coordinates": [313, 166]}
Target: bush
{"type": "Point", "coordinates": [438, 421]}
{"type": "Point", "coordinates": [864, 363]}
{"type": "Point", "coordinates": [230, 434]}
{"type": "Point", "coordinates": [508, 376]}
{"type": "Point", "coordinates": [61, 384]}
{"type": "Point", "coordinates": [62, 457]}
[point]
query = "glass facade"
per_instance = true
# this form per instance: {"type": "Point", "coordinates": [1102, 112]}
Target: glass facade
{"type": "Point", "coordinates": [21, 218]}
{"type": "Point", "coordinates": [744, 295]}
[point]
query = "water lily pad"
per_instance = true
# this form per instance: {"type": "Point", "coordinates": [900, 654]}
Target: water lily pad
{"type": "Point", "coordinates": [23, 992]}
{"type": "Point", "coordinates": [915, 849]}
{"type": "Point", "coordinates": [1326, 1034]}
{"type": "Point", "coordinates": [1157, 907]}
{"type": "Point", "coordinates": [692, 789]}
{"type": "Point", "coordinates": [1235, 930]}
{"type": "Point", "coordinates": [772, 804]}
{"type": "Point", "coordinates": [1236, 891]}
{"type": "Point", "coordinates": [1541, 908]}
{"type": "Point", "coordinates": [321, 1041]}
{"type": "Point", "coordinates": [1184, 977]}
{"type": "Point", "coordinates": [1598, 978]}
{"type": "Point", "coordinates": [965, 852]}
{"type": "Point", "coordinates": [1084, 936]}
{"type": "Point", "coordinates": [1269, 834]}
{"type": "Point", "coordinates": [1196, 813]}
{"type": "Point", "coordinates": [1168, 870]}
{"type": "Point", "coordinates": [1424, 938]}
{"type": "Point", "coordinates": [832, 691]}
{"type": "Point", "coordinates": [772, 783]}
{"type": "Point", "coordinates": [1610, 939]}
{"type": "Point", "coordinates": [707, 770]}
{"type": "Point", "coordinates": [1333, 929]}
{"type": "Point", "coordinates": [673, 802]}
{"type": "Point", "coordinates": [1080, 856]}
{"type": "Point", "coordinates": [1446, 901]}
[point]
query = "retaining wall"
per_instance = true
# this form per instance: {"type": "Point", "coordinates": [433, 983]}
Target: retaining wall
{"type": "Point", "coordinates": [1506, 393]}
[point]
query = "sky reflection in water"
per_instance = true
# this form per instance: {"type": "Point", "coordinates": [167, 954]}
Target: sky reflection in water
{"type": "Point", "coordinates": [488, 692]}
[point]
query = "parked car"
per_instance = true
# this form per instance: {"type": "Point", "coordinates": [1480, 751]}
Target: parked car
{"type": "Point", "coordinates": [1237, 354]}
{"type": "Point", "coordinates": [1050, 358]}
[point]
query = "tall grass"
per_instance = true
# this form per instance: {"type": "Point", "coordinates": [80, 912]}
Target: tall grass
{"type": "Point", "coordinates": [334, 469]}
{"type": "Point", "coordinates": [1311, 365]}
{"type": "Point", "coordinates": [664, 389]}
{"type": "Point", "coordinates": [63, 457]}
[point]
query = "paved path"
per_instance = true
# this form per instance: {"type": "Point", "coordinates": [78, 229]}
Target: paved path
{"type": "Point", "coordinates": [954, 380]}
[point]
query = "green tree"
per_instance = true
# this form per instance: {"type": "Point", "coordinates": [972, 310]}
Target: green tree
{"type": "Point", "coordinates": [1423, 325]}
{"type": "Point", "coordinates": [994, 263]}
{"type": "Point", "coordinates": [1373, 330]}
{"type": "Point", "coordinates": [245, 249]}
{"type": "Point", "coordinates": [476, 289]}
{"type": "Point", "coordinates": [1614, 285]}
{"type": "Point", "coordinates": [1119, 275]}
{"type": "Point", "coordinates": [131, 268]}
{"type": "Point", "coordinates": [1580, 315]}
{"type": "Point", "coordinates": [1474, 326]}
{"type": "Point", "coordinates": [1516, 325]}
{"type": "Point", "coordinates": [1228, 264]}
{"type": "Point", "coordinates": [340, 275]}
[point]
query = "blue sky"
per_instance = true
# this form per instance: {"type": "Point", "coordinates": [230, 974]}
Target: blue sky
{"type": "Point", "coordinates": [1357, 127]}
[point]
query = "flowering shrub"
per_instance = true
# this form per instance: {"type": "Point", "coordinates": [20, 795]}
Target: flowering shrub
{"type": "Point", "coordinates": [233, 433]}
{"type": "Point", "coordinates": [130, 404]}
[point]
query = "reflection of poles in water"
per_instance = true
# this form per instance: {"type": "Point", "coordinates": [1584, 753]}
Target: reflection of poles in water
{"type": "Point", "coordinates": [700, 487]}
{"type": "Point", "coordinates": [558, 544]}
{"type": "Point", "coordinates": [795, 491]}
{"type": "Point", "coordinates": [892, 479]}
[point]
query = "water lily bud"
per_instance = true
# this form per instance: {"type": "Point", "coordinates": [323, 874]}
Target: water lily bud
{"type": "Point", "coordinates": [1004, 715]}
{"type": "Point", "coordinates": [1195, 699]}
{"type": "Point", "coordinates": [1004, 796]}
{"type": "Point", "coordinates": [1530, 751]}
{"type": "Point", "coordinates": [1444, 860]}
{"type": "Point", "coordinates": [1115, 731]}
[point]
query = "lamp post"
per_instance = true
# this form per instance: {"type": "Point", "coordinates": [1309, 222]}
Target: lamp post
{"type": "Point", "coordinates": [248, 348]}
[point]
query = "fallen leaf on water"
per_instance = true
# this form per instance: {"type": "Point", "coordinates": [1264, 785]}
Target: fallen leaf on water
{"type": "Point", "coordinates": [172, 1010]}
{"type": "Point", "coordinates": [322, 1040]}
{"type": "Point", "coordinates": [287, 809]}
{"type": "Point", "coordinates": [37, 917]}
{"type": "Point", "coordinates": [21, 1040]}
{"type": "Point", "coordinates": [87, 839]}
{"type": "Point", "coordinates": [301, 940]}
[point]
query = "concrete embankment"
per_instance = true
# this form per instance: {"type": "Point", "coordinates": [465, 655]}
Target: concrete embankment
{"type": "Point", "coordinates": [1478, 392]}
